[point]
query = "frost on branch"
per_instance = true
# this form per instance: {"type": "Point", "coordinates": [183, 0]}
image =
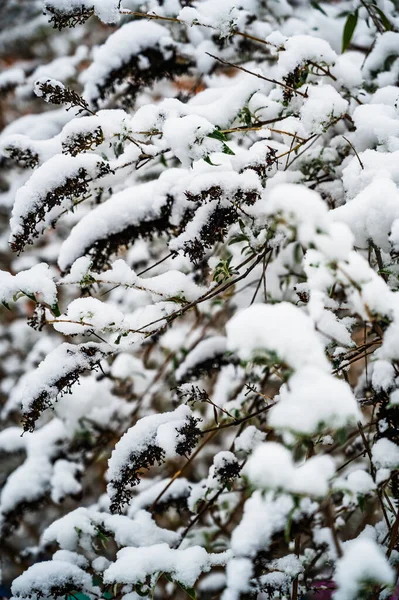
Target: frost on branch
{"type": "Point", "coordinates": [55, 92]}
{"type": "Point", "coordinates": [53, 579]}
{"type": "Point", "coordinates": [362, 566]}
{"type": "Point", "coordinates": [135, 55]}
{"type": "Point", "coordinates": [75, 12]}
{"type": "Point", "coordinates": [151, 441]}
{"type": "Point", "coordinates": [54, 376]}
{"type": "Point", "coordinates": [52, 189]}
{"type": "Point", "coordinates": [117, 222]}
{"type": "Point", "coordinates": [185, 566]}
{"type": "Point", "coordinates": [36, 283]}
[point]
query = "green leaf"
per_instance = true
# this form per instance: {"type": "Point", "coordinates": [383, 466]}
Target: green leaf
{"type": "Point", "coordinates": [208, 160]}
{"type": "Point", "coordinates": [102, 535]}
{"type": "Point", "coordinates": [236, 239]}
{"type": "Point", "coordinates": [287, 529]}
{"type": "Point", "coordinates": [139, 590]}
{"type": "Point", "coordinates": [29, 295]}
{"type": "Point", "coordinates": [384, 19]}
{"type": "Point", "coordinates": [317, 6]}
{"type": "Point", "coordinates": [78, 596]}
{"type": "Point", "coordinates": [55, 310]}
{"type": "Point", "coordinates": [217, 135]}
{"type": "Point", "coordinates": [189, 591]}
{"type": "Point", "coordinates": [349, 29]}
{"type": "Point", "coordinates": [298, 253]}
{"type": "Point", "coordinates": [227, 150]}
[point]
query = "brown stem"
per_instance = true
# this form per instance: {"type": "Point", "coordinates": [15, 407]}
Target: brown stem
{"type": "Point", "coordinates": [354, 150]}
{"type": "Point", "coordinates": [184, 467]}
{"type": "Point", "coordinates": [331, 523]}
{"type": "Point", "coordinates": [280, 83]}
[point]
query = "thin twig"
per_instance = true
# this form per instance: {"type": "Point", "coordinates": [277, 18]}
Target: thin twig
{"type": "Point", "coordinates": [354, 150]}
{"type": "Point", "coordinates": [280, 83]}
{"type": "Point", "coordinates": [184, 467]}
{"type": "Point", "coordinates": [373, 474]}
{"type": "Point", "coordinates": [240, 421]}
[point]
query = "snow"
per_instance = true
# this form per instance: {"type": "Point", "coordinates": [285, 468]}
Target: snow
{"type": "Point", "coordinates": [312, 401]}
{"type": "Point", "coordinates": [131, 39]}
{"type": "Point", "coordinates": [140, 531]}
{"type": "Point", "coordinates": [185, 566]}
{"type": "Point", "coordinates": [46, 180]}
{"type": "Point", "coordinates": [238, 573]}
{"type": "Point", "coordinates": [357, 483]}
{"type": "Point", "coordinates": [85, 314]}
{"type": "Point", "coordinates": [290, 173]}
{"type": "Point", "coordinates": [40, 579]}
{"type": "Point", "coordinates": [108, 218]}
{"type": "Point", "coordinates": [304, 209]}
{"type": "Point", "coordinates": [11, 440]}
{"type": "Point", "coordinates": [377, 125]}
{"type": "Point", "coordinates": [106, 10]}
{"type": "Point", "coordinates": [290, 565]}
{"type": "Point", "coordinates": [58, 86]}
{"type": "Point", "coordinates": [100, 563]}
{"type": "Point", "coordinates": [386, 45]}
{"type": "Point", "coordinates": [385, 454]}
{"type": "Point", "coordinates": [221, 460]}
{"type": "Point", "coordinates": [173, 284]}
{"type": "Point", "coordinates": [32, 479]}
{"type": "Point", "coordinates": [64, 480]}
{"type": "Point", "coordinates": [205, 350]}
{"type": "Point", "coordinates": [363, 562]}
{"type": "Point", "coordinates": [91, 401]}
{"type": "Point", "coordinates": [79, 270]}
{"type": "Point", "coordinates": [26, 484]}
{"type": "Point", "coordinates": [224, 17]}
{"type": "Point", "coordinates": [64, 68]}
{"type": "Point", "coordinates": [78, 527]}
{"type": "Point", "coordinates": [37, 281]}
{"type": "Point", "coordinates": [371, 214]}
{"type": "Point", "coordinates": [70, 530]}
{"type": "Point", "coordinates": [62, 361]}
{"type": "Point", "coordinates": [383, 376]}
{"type": "Point", "coordinates": [301, 48]}
{"type": "Point", "coordinates": [394, 398]}
{"type": "Point", "coordinates": [187, 137]}
{"type": "Point", "coordinates": [375, 164]}
{"type": "Point", "coordinates": [249, 439]}
{"type": "Point", "coordinates": [70, 557]}
{"type": "Point", "coordinates": [282, 329]}
{"type": "Point", "coordinates": [158, 429]}
{"type": "Point", "coordinates": [213, 582]}
{"type": "Point", "coordinates": [194, 227]}
{"type": "Point", "coordinates": [271, 467]}
{"type": "Point", "coordinates": [323, 105]}
{"type": "Point", "coordinates": [11, 77]}
{"type": "Point", "coordinates": [177, 489]}
{"type": "Point", "coordinates": [263, 517]}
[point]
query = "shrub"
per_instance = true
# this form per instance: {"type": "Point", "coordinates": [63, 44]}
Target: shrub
{"type": "Point", "coordinates": [200, 334]}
